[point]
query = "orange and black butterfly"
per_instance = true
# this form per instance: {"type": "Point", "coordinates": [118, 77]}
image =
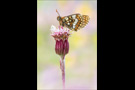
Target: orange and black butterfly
{"type": "Point", "coordinates": [73, 22]}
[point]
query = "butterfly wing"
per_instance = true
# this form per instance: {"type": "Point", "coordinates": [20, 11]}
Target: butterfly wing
{"type": "Point", "coordinates": [70, 21]}
{"type": "Point", "coordinates": [85, 20]}
{"type": "Point", "coordinates": [75, 21]}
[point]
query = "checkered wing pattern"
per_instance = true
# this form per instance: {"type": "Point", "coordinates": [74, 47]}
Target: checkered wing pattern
{"type": "Point", "coordinates": [75, 21]}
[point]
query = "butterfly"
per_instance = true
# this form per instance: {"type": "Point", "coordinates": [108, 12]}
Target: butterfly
{"type": "Point", "coordinates": [73, 22]}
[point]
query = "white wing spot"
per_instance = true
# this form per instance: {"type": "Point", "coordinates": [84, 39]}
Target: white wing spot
{"type": "Point", "coordinates": [76, 21]}
{"type": "Point", "coordinates": [68, 23]}
{"type": "Point", "coordinates": [73, 16]}
{"type": "Point", "coordinates": [73, 26]}
{"type": "Point", "coordinates": [66, 18]}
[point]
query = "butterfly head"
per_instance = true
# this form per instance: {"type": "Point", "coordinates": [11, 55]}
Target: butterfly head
{"type": "Point", "coordinates": [59, 18]}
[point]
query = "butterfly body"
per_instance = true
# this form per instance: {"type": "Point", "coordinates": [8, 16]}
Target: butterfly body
{"type": "Point", "coordinates": [74, 22]}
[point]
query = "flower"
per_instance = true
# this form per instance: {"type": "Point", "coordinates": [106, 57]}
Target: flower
{"type": "Point", "coordinates": [61, 47]}
{"type": "Point", "coordinates": [61, 37]}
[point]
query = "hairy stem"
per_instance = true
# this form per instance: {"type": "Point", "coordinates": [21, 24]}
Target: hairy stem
{"type": "Point", "coordinates": [62, 67]}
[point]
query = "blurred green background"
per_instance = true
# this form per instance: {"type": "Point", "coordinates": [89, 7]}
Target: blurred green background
{"type": "Point", "coordinates": [81, 61]}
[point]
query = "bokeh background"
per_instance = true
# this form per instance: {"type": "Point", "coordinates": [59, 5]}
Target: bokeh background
{"type": "Point", "coordinates": [81, 61]}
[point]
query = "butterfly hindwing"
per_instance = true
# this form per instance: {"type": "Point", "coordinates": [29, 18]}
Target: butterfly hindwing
{"type": "Point", "coordinates": [70, 21]}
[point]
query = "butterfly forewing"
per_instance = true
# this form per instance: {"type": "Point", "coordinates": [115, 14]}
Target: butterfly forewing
{"type": "Point", "coordinates": [85, 20]}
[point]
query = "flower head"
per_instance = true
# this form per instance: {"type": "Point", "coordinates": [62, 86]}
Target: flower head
{"type": "Point", "coordinates": [59, 33]}
{"type": "Point", "coordinates": [61, 37]}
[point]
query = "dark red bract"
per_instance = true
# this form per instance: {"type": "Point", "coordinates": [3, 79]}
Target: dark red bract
{"type": "Point", "coordinates": [62, 47]}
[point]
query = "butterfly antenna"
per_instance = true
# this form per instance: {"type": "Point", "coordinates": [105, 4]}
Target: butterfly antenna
{"type": "Point", "coordinates": [57, 12]}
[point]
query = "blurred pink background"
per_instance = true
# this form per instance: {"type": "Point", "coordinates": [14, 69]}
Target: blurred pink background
{"type": "Point", "coordinates": [81, 61]}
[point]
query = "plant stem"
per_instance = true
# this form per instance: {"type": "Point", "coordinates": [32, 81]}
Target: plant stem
{"type": "Point", "coordinates": [62, 67]}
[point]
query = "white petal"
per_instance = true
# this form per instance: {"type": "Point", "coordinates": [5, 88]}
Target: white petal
{"type": "Point", "coordinates": [53, 28]}
{"type": "Point", "coordinates": [57, 30]}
